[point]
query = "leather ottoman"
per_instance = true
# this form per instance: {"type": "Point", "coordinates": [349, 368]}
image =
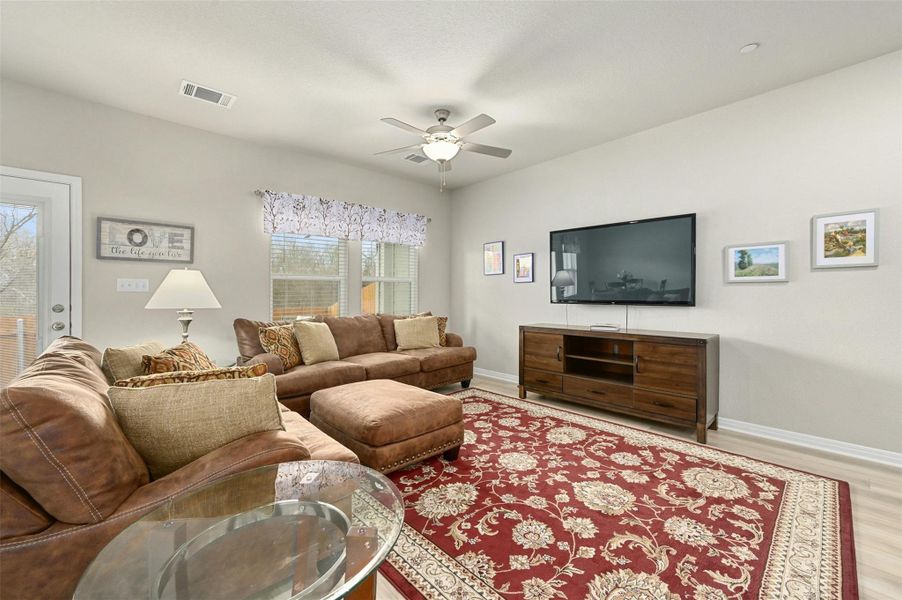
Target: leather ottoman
{"type": "Point", "coordinates": [389, 425]}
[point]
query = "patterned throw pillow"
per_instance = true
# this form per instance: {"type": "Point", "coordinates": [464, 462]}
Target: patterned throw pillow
{"type": "Point", "coordinates": [143, 381]}
{"type": "Point", "coordinates": [442, 325]}
{"type": "Point", "coordinates": [187, 356]}
{"type": "Point", "coordinates": [280, 340]}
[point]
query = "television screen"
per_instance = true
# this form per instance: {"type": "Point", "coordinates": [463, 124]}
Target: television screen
{"type": "Point", "coordinates": [637, 262]}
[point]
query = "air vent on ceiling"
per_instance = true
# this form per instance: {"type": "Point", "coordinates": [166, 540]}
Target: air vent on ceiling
{"type": "Point", "coordinates": [206, 94]}
{"type": "Point", "coordinates": [416, 158]}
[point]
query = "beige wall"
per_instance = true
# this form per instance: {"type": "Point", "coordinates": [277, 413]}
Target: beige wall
{"type": "Point", "coordinates": [821, 354]}
{"type": "Point", "coordinates": [143, 168]}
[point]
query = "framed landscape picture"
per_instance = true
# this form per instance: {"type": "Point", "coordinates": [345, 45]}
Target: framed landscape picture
{"type": "Point", "coordinates": [847, 239]}
{"type": "Point", "coordinates": [763, 262]}
{"type": "Point", "coordinates": [523, 268]}
{"type": "Point", "coordinates": [130, 239]}
{"type": "Point", "coordinates": [493, 258]}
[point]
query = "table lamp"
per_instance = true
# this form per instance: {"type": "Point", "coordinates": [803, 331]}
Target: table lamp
{"type": "Point", "coordinates": [182, 288]}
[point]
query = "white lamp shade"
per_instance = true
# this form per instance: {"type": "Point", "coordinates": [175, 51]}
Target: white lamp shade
{"type": "Point", "coordinates": [563, 278]}
{"type": "Point", "coordinates": [183, 288]}
{"type": "Point", "coordinates": [441, 150]}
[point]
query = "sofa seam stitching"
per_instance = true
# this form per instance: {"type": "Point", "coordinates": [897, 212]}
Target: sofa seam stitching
{"type": "Point", "coordinates": [41, 446]}
{"type": "Point", "coordinates": [5, 547]}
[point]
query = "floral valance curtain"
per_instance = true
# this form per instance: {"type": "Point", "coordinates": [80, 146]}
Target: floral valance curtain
{"type": "Point", "coordinates": [311, 215]}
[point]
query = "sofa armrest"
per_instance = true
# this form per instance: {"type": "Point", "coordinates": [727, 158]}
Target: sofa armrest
{"type": "Point", "coordinates": [249, 452]}
{"type": "Point", "coordinates": [273, 363]}
{"type": "Point", "coordinates": [454, 340]}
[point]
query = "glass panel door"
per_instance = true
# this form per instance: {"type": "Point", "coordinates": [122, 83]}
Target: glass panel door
{"type": "Point", "coordinates": [35, 305]}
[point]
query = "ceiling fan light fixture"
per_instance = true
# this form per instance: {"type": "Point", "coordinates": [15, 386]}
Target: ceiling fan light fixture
{"type": "Point", "coordinates": [441, 150]}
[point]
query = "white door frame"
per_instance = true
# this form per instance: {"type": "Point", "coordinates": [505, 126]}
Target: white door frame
{"type": "Point", "coordinates": [75, 236]}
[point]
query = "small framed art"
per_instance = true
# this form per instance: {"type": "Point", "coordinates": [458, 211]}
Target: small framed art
{"type": "Point", "coordinates": [523, 270]}
{"type": "Point", "coordinates": [764, 262]}
{"type": "Point", "coordinates": [847, 239]}
{"type": "Point", "coordinates": [493, 258]}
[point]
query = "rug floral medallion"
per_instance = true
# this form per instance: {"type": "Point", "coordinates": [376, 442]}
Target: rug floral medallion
{"type": "Point", "coordinates": [545, 503]}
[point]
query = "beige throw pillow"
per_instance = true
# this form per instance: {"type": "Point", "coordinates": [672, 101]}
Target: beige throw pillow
{"type": "Point", "coordinates": [316, 341]}
{"type": "Point", "coordinates": [127, 362]}
{"type": "Point", "coordinates": [419, 332]}
{"type": "Point", "coordinates": [173, 425]}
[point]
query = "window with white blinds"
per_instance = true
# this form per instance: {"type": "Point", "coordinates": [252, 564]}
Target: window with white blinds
{"type": "Point", "coordinates": [309, 276]}
{"type": "Point", "coordinates": [389, 274]}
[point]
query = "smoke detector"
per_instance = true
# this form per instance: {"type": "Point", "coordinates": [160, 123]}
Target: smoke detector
{"type": "Point", "coordinates": [206, 94]}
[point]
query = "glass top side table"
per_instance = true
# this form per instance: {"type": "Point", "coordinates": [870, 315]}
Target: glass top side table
{"type": "Point", "coordinates": [300, 531]}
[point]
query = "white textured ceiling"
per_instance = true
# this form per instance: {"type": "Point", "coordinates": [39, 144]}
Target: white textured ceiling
{"type": "Point", "coordinates": [557, 76]}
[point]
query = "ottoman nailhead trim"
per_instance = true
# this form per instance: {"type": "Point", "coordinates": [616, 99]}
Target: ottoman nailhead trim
{"type": "Point", "coordinates": [422, 454]}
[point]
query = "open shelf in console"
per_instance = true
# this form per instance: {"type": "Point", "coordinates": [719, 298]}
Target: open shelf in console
{"type": "Point", "coordinates": [599, 358]}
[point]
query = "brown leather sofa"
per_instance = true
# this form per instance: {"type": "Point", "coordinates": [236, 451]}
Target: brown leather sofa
{"type": "Point", "coordinates": [368, 350]}
{"type": "Point", "coordinates": [71, 481]}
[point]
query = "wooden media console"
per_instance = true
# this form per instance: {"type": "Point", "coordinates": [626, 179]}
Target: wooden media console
{"type": "Point", "coordinates": [664, 376]}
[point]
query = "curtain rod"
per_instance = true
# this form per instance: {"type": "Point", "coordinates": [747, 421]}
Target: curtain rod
{"type": "Point", "coordinates": [261, 192]}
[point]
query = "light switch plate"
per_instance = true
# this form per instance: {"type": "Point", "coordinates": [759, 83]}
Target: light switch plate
{"type": "Point", "coordinates": [132, 285]}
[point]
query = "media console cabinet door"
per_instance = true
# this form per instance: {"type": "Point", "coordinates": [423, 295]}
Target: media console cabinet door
{"type": "Point", "coordinates": [669, 367]}
{"type": "Point", "coordinates": [543, 351]}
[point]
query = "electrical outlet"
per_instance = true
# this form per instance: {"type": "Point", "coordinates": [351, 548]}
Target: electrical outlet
{"type": "Point", "coordinates": [132, 285]}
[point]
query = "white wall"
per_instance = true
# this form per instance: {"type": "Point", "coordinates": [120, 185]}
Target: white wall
{"type": "Point", "coordinates": [821, 354]}
{"type": "Point", "coordinates": [143, 168]}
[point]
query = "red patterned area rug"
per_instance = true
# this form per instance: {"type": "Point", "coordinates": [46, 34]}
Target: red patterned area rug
{"type": "Point", "coordinates": [545, 503]}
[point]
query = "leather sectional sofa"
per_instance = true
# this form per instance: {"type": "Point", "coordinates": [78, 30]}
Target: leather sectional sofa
{"type": "Point", "coordinates": [71, 481]}
{"type": "Point", "coordinates": [368, 350]}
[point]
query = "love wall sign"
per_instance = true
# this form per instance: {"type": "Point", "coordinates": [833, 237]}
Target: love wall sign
{"type": "Point", "coordinates": [124, 239]}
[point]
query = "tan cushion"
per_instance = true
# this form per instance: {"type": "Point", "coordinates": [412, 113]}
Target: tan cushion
{"type": "Point", "coordinates": [316, 342]}
{"type": "Point", "coordinates": [122, 363]}
{"type": "Point", "coordinates": [419, 332]}
{"type": "Point", "coordinates": [357, 335]}
{"type": "Point", "coordinates": [187, 356]}
{"type": "Point", "coordinates": [433, 359]}
{"type": "Point", "coordinates": [19, 513]}
{"type": "Point", "coordinates": [255, 370]}
{"type": "Point", "coordinates": [173, 425]}
{"type": "Point", "coordinates": [306, 379]}
{"type": "Point", "coordinates": [320, 445]}
{"type": "Point", "coordinates": [382, 411]}
{"type": "Point", "coordinates": [281, 341]}
{"type": "Point", "coordinates": [386, 365]}
{"type": "Point", "coordinates": [61, 441]}
{"type": "Point", "coordinates": [387, 323]}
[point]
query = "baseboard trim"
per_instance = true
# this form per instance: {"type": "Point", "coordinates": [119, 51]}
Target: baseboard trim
{"type": "Point", "coordinates": [506, 377]}
{"type": "Point", "coordinates": [877, 455]}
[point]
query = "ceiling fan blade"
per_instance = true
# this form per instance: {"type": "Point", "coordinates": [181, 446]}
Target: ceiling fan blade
{"type": "Point", "coordinates": [404, 126]}
{"type": "Point", "coordinates": [404, 149]}
{"type": "Point", "coordinates": [490, 150]}
{"type": "Point", "coordinates": [474, 124]}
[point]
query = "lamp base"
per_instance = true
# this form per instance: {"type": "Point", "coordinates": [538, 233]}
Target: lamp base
{"type": "Point", "coordinates": [185, 321]}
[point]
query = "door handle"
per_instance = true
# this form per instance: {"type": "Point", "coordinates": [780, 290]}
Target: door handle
{"type": "Point", "coordinates": [600, 393]}
{"type": "Point", "coordinates": [558, 353]}
{"type": "Point", "coordinates": [637, 364]}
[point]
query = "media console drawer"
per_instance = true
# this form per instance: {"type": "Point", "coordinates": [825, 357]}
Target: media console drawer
{"type": "Point", "coordinates": [539, 379]}
{"type": "Point", "coordinates": [666, 404]}
{"type": "Point", "coordinates": [598, 390]}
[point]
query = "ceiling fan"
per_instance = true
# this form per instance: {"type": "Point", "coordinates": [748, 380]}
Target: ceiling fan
{"type": "Point", "coordinates": [441, 142]}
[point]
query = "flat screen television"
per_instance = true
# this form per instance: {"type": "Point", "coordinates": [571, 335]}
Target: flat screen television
{"type": "Point", "coordinates": [650, 262]}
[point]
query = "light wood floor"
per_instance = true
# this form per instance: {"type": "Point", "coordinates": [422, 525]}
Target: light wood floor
{"type": "Point", "coordinates": [876, 492]}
